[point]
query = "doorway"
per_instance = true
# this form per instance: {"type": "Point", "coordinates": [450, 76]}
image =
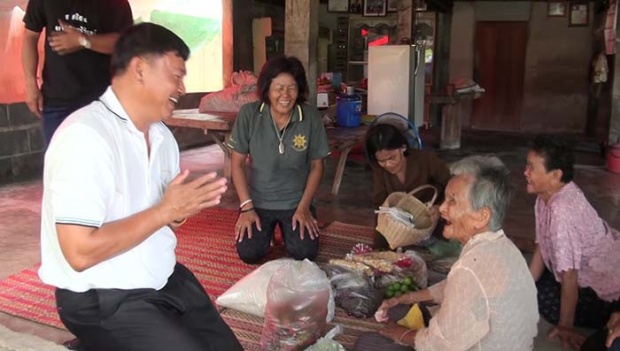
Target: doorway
{"type": "Point", "coordinates": [499, 67]}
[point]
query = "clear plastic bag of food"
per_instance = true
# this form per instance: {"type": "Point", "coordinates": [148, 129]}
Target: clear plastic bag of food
{"type": "Point", "coordinates": [327, 342]}
{"type": "Point", "coordinates": [354, 292]}
{"type": "Point", "coordinates": [249, 294]}
{"type": "Point", "coordinates": [298, 297]}
{"type": "Point", "coordinates": [391, 267]}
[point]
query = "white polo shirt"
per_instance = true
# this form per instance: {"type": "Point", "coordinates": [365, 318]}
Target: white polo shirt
{"type": "Point", "coordinates": [98, 170]}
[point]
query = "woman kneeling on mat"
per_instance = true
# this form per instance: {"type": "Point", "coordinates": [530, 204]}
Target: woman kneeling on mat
{"type": "Point", "coordinates": [286, 142]}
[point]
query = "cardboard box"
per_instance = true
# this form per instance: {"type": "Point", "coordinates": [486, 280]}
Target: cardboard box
{"type": "Point", "coordinates": [322, 100]}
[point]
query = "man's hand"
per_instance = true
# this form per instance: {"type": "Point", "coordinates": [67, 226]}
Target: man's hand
{"type": "Point", "coordinates": [244, 224]}
{"type": "Point", "coordinates": [303, 218]}
{"type": "Point", "coordinates": [568, 336]}
{"type": "Point", "coordinates": [34, 100]}
{"type": "Point", "coordinates": [66, 41]}
{"type": "Point", "coordinates": [183, 199]}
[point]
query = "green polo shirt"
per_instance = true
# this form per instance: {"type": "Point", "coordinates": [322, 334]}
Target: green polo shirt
{"type": "Point", "coordinates": [277, 181]}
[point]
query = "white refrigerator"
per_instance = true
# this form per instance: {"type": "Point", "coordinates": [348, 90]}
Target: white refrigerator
{"type": "Point", "coordinates": [389, 72]}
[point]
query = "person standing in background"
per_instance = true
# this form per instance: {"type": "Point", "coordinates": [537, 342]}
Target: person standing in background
{"type": "Point", "coordinates": [76, 70]}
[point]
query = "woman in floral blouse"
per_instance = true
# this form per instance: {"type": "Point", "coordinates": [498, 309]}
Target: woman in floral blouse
{"type": "Point", "coordinates": [576, 260]}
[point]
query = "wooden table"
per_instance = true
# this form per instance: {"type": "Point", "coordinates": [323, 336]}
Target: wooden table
{"type": "Point", "coordinates": [343, 139]}
{"type": "Point", "coordinates": [218, 124]}
{"type": "Point", "coordinates": [214, 125]}
{"type": "Point", "coordinates": [451, 118]}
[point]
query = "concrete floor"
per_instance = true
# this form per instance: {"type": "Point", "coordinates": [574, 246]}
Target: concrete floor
{"type": "Point", "coordinates": [20, 204]}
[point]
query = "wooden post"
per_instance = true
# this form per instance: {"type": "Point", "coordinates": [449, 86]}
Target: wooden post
{"type": "Point", "coordinates": [441, 58]}
{"type": "Point", "coordinates": [301, 38]}
{"type": "Point", "coordinates": [451, 127]}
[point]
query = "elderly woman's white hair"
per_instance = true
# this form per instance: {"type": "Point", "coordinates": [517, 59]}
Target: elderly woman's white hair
{"type": "Point", "coordinates": [489, 187]}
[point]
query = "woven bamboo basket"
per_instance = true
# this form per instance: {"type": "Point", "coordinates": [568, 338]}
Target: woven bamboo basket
{"type": "Point", "coordinates": [399, 234]}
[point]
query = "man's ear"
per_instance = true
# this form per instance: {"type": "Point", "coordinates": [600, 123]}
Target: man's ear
{"type": "Point", "coordinates": [136, 68]}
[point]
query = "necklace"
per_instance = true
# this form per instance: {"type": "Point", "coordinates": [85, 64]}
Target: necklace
{"type": "Point", "coordinates": [281, 136]}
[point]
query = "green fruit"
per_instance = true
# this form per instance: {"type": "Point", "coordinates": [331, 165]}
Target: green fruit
{"type": "Point", "coordinates": [404, 288]}
{"type": "Point", "coordinates": [396, 286]}
{"type": "Point", "coordinates": [408, 281]}
{"type": "Point", "coordinates": [389, 293]}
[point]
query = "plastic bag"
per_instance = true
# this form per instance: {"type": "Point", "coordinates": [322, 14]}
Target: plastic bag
{"type": "Point", "coordinates": [444, 249]}
{"type": "Point", "coordinates": [298, 299]}
{"type": "Point", "coordinates": [241, 91]}
{"type": "Point", "coordinates": [398, 214]}
{"type": "Point", "coordinates": [390, 267]}
{"type": "Point", "coordinates": [249, 294]}
{"type": "Point", "coordinates": [327, 343]}
{"type": "Point", "coordinates": [353, 291]}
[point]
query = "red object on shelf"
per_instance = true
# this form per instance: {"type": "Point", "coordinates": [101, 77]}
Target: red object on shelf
{"type": "Point", "coordinates": [613, 158]}
{"type": "Point", "coordinates": [380, 42]}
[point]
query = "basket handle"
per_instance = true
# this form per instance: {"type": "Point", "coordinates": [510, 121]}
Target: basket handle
{"type": "Point", "coordinates": [426, 186]}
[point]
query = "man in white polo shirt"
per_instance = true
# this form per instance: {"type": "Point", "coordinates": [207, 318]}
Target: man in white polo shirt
{"type": "Point", "coordinates": [113, 194]}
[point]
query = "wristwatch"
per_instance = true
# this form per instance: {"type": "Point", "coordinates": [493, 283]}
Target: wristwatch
{"type": "Point", "coordinates": [83, 41]}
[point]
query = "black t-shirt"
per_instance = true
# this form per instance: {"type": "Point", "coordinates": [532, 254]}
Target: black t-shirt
{"type": "Point", "coordinates": [80, 77]}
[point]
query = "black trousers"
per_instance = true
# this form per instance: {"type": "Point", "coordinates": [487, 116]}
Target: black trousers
{"type": "Point", "coordinates": [254, 250]}
{"type": "Point", "coordinates": [591, 311]}
{"type": "Point", "coordinates": [180, 316]}
{"type": "Point", "coordinates": [596, 342]}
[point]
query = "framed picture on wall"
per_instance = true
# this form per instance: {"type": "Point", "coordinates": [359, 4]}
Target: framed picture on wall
{"type": "Point", "coordinates": [338, 5]}
{"type": "Point", "coordinates": [392, 5]}
{"type": "Point", "coordinates": [375, 8]}
{"type": "Point", "coordinates": [556, 9]}
{"type": "Point", "coordinates": [355, 6]}
{"type": "Point", "coordinates": [578, 13]}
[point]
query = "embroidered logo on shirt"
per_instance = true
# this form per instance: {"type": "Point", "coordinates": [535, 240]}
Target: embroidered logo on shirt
{"type": "Point", "coordinates": [299, 142]}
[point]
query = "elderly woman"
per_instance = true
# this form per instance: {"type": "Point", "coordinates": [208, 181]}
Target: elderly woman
{"type": "Point", "coordinates": [396, 167]}
{"type": "Point", "coordinates": [488, 300]}
{"type": "Point", "coordinates": [576, 259]}
{"type": "Point", "coordinates": [286, 142]}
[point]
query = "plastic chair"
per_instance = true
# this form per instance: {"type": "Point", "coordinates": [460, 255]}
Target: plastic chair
{"type": "Point", "coordinates": [402, 123]}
